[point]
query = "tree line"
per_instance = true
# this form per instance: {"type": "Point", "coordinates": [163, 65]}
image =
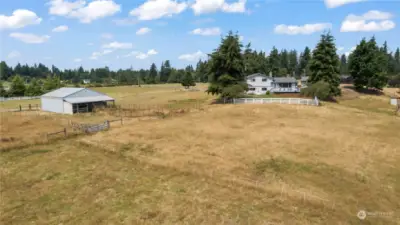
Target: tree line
{"type": "Point", "coordinates": [368, 65]}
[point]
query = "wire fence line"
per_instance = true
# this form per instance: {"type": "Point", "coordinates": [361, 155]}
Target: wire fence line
{"type": "Point", "coordinates": [292, 101]}
{"type": "Point", "coordinates": [3, 99]}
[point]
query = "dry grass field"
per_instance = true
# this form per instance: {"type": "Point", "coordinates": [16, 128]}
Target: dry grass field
{"type": "Point", "coordinates": [124, 95]}
{"type": "Point", "coordinates": [226, 164]}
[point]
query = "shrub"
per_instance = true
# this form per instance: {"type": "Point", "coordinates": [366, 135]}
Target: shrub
{"type": "Point", "coordinates": [394, 81]}
{"type": "Point", "coordinates": [268, 93]}
{"type": "Point", "coordinates": [320, 89]}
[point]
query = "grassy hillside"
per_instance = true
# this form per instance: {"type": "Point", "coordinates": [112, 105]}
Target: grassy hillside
{"type": "Point", "coordinates": [226, 164]}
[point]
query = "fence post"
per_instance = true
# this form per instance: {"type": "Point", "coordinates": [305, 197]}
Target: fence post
{"type": "Point", "coordinates": [65, 132]}
{"type": "Point", "coordinates": [20, 108]}
{"type": "Point", "coordinates": [108, 124]}
{"type": "Point", "coordinates": [30, 108]}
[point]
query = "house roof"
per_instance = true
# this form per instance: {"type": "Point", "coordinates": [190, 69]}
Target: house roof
{"type": "Point", "coordinates": [257, 75]}
{"type": "Point", "coordinates": [103, 98]}
{"type": "Point", "coordinates": [284, 80]}
{"type": "Point", "coordinates": [305, 78]}
{"type": "Point", "coordinates": [62, 92]}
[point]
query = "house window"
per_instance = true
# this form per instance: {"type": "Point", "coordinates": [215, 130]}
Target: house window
{"type": "Point", "coordinates": [254, 80]}
{"type": "Point", "coordinates": [264, 89]}
{"type": "Point", "coordinates": [285, 85]}
{"type": "Point", "coordinates": [264, 80]}
{"type": "Point", "coordinates": [252, 89]}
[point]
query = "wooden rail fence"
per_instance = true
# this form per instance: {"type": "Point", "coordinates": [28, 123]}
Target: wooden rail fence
{"type": "Point", "coordinates": [64, 131]}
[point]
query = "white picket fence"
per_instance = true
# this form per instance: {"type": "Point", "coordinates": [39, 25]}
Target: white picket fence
{"type": "Point", "coordinates": [294, 101]}
{"type": "Point", "coordinates": [3, 99]}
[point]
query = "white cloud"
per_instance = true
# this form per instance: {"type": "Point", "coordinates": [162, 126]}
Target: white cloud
{"type": "Point", "coordinates": [125, 22]}
{"type": "Point", "coordinates": [94, 10]}
{"type": "Point", "coordinates": [203, 21]}
{"type": "Point", "coordinates": [141, 55]}
{"type": "Point", "coordinates": [47, 58]}
{"type": "Point", "coordinates": [96, 55]}
{"type": "Point", "coordinates": [60, 29]}
{"type": "Point", "coordinates": [14, 54]}
{"type": "Point", "coordinates": [64, 8]}
{"type": "Point", "coordinates": [77, 60]}
{"type": "Point", "coordinates": [118, 45]}
{"type": "Point", "coordinates": [337, 3]}
{"type": "Point", "coordinates": [210, 6]}
{"type": "Point", "coordinates": [143, 30]}
{"type": "Point", "coordinates": [207, 31]}
{"type": "Point", "coordinates": [236, 7]}
{"type": "Point", "coordinates": [20, 18]}
{"type": "Point", "coordinates": [30, 38]}
{"type": "Point", "coordinates": [305, 29]}
{"type": "Point", "coordinates": [90, 44]}
{"type": "Point", "coordinates": [340, 48]}
{"type": "Point", "coordinates": [152, 52]}
{"type": "Point", "coordinates": [107, 36]}
{"type": "Point", "coordinates": [155, 9]}
{"type": "Point", "coordinates": [107, 51]}
{"type": "Point", "coordinates": [370, 21]}
{"type": "Point", "coordinates": [192, 56]}
{"type": "Point", "coordinates": [134, 53]}
{"type": "Point", "coordinates": [241, 38]}
{"type": "Point", "coordinates": [347, 53]}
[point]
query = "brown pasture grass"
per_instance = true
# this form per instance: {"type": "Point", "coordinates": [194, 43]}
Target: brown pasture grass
{"type": "Point", "coordinates": [226, 164]}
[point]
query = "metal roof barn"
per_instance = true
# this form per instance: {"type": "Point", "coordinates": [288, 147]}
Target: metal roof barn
{"type": "Point", "coordinates": [73, 100]}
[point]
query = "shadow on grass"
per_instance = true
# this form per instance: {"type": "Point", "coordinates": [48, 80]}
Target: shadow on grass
{"type": "Point", "coordinates": [367, 91]}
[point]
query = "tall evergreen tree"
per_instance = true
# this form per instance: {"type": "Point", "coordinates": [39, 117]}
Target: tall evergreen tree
{"type": "Point", "coordinates": [226, 66]}
{"type": "Point", "coordinates": [151, 79]}
{"type": "Point", "coordinates": [324, 65]}
{"type": "Point", "coordinates": [305, 58]}
{"type": "Point", "coordinates": [165, 71]}
{"type": "Point", "coordinates": [284, 59]}
{"type": "Point", "coordinates": [201, 72]}
{"type": "Point", "coordinates": [293, 63]}
{"type": "Point", "coordinates": [274, 61]}
{"type": "Point", "coordinates": [397, 60]}
{"type": "Point", "coordinates": [5, 71]}
{"type": "Point", "coordinates": [343, 64]}
{"type": "Point", "coordinates": [367, 65]}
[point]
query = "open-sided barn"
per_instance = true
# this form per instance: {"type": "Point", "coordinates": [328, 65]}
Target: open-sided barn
{"type": "Point", "coordinates": [73, 100]}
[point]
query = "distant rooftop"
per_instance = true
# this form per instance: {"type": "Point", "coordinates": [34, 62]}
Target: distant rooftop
{"type": "Point", "coordinates": [285, 79]}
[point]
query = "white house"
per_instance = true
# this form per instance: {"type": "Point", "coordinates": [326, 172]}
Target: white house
{"type": "Point", "coordinates": [73, 100]}
{"type": "Point", "coordinates": [304, 81]}
{"type": "Point", "coordinates": [86, 81]}
{"type": "Point", "coordinates": [259, 84]}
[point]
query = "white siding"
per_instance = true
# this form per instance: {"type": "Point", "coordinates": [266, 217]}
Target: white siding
{"type": "Point", "coordinates": [258, 84]}
{"type": "Point", "coordinates": [68, 108]}
{"type": "Point", "coordinates": [52, 104]}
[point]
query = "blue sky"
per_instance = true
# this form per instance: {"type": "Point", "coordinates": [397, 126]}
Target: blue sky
{"type": "Point", "coordinates": [125, 33]}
